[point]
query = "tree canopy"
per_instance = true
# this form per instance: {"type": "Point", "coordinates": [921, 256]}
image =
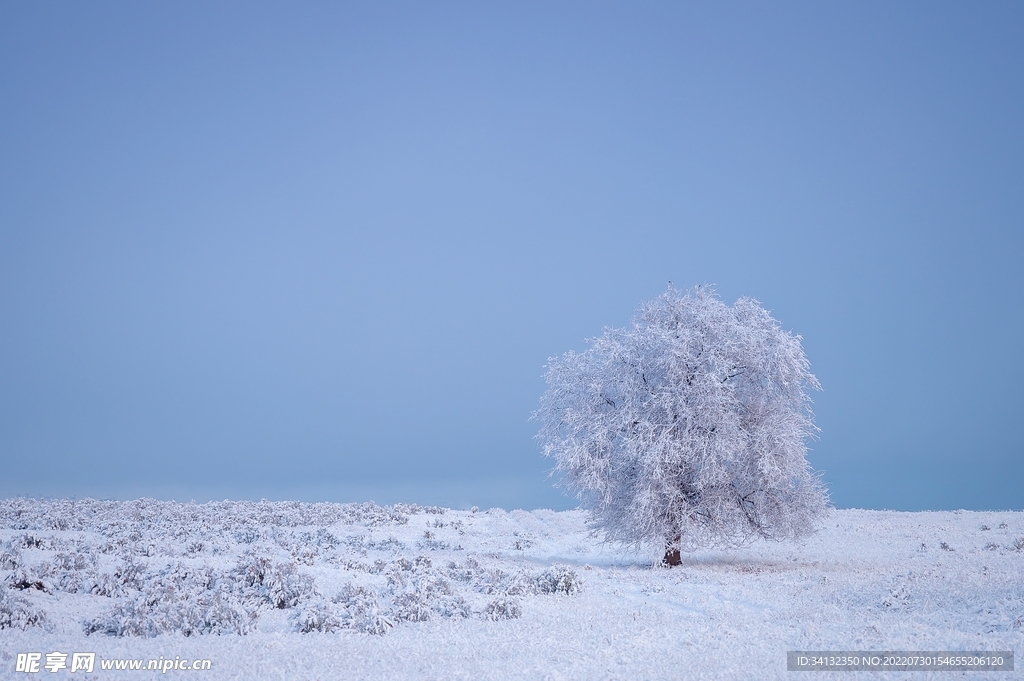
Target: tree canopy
{"type": "Point", "coordinates": [687, 427]}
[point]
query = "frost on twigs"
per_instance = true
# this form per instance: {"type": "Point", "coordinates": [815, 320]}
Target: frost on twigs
{"type": "Point", "coordinates": [688, 428]}
{"type": "Point", "coordinates": [17, 613]}
{"type": "Point", "coordinates": [277, 585]}
{"type": "Point", "coordinates": [354, 608]}
{"type": "Point", "coordinates": [558, 579]}
{"type": "Point", "coordinates": [503, 609]}
{"type": "Point", "coordinates": [318, 616]}
{"type": "Point", "coordinates": [179, 599]}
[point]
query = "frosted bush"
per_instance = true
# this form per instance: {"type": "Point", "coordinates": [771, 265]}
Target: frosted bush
{"type": "Point", "coordinates": [390, 544]}
{"type": "Point", "coordinates": [558, 580]}
{"type": "Point", "coordinates": [424, 596]}
{"type": "Point", "coordinates": [286, 586]}
{"type": "Point", "coordinates": [73, 562]}
{"type": "Point", "coordinates": [179, 599]}
{"type": "Point", "coordinates": [431, 543]}
{"type": "Point", "coordinates": [412, 607]}
{"type": "Point", "coordinates": [503, 609]}
{"type": "Point", "coordinates": [315, 616]}
{"type": "Point", "coordinates": [467, 571]}
{"type": "Point", "coordinates": [500, 582]}
{"type": "Point", "coordinates": [30, 541]}
{"type": "Point", "coordinates": [451, 606]}
{"type": "Point", "coordinates": [359, 610]}
{"type": "Point", "coordinates": [131, 574]}
{"type": "Point", "coordinates": [17, 613]}
{"type": "Point", "coordinates": [36, 578]}
{"type": "Point", "coordinates": [70, 572]}
{"type": "Point", "coordinates": [249, 535]}
{"type": "Point", "coordinates": [10, 558]}
{"type": "Point", "coordinates": [103, 584]}
{"type": "Point", "coordinates": [251, 571]}
{"type": "Point", "coordinates": [306, 555]}
{"type": "Point", "coordinates": [280, 586]}
{"type": "Point", "coordinates": [417, 564]}
{"type": "Point", "coordinates": [163, 611]}
{"type": "Point", "coordinates": [494, 581]}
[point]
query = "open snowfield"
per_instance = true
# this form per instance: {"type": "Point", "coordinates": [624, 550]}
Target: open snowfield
{"type": "Point", "coordinates": [332, 591]}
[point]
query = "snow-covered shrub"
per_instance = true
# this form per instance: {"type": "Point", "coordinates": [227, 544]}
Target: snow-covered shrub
{"type": "Point", "coordinates": [416, 565]}
{"type": "Point", "coordinates": [503, 609]}
{"type": "Point", "coordinates": [521, 542]}
{"type": "Point", "coordinates": [431, 543]}
{"type": "Point", "coordinates": [193, 600]}
{"type": "Point", "coordinates": [31, 541]}
{"type": "Point", "coordinates": [687, 428]}
{"type": "Point", "coordinates": [372, 515]}
{"type": "Point", "coordinates": [160, 613]}
{"type": "Point", "coordinates": [10, 558]}
{"type": "Point", "coordinates": [390, 544]}
{"type": "Point", "coordinates": [468, 571]}
{"type": "Point", "coordinates": [359, 610]}
{"type": "Point", "coordinates": [103, 584]}
{"type": "Point", "coordinates": [423, 594]}
{"type": "Point", "coordinates": [498, 581]}
{"type": "Point", "coordinates": [451, 606]}
{"type": "Point", "coordinates": [248, 535]}
{"type": "Point", "coordinates": [280, 586]}
{"type": "Point", "coordinates": [286, 586]}
{"type": "Point", "coordinates": [558, 579]}
{"type": "Point", "coordinates": [131, 574]}
{"type": "Point", "coordinates": [306, 555]}
{"type": "Point", "coordinates": [412, 606]}
{"type": "Point", "coordinates": [17, 613]}
{"type": "Point", "coordinates": [179, 599]}
{"type": "Point", "coordinates": [73, 562]}
{"type": "Point", "coordinates": [251, 570]}
{"type": "Point", "coordinates": [315, 616]}
{"type": "Point", "coordinates": [76, 573]}
{"type": "Point", "coordinates": [37, 578]}
{"type": "Point", "coordinates": [70, 572]}
{"type": "Point", "coordinates": [324, 539]}
{"type": "Point", "coordinates": [494, 581]}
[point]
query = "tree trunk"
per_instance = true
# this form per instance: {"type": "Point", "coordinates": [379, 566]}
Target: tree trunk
{"type": "Point", "coordinates": [672, 556]}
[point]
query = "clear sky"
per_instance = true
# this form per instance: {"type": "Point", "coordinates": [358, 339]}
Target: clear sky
{"type": "Point", "coordinates": [323, 251]}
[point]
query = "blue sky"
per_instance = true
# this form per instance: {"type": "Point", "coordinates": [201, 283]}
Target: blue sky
{"type": "Point", "coordinates": [323, 251]}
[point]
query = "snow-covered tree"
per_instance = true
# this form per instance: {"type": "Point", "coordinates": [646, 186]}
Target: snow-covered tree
{"type": "Point", "coordinates": [688, 427]}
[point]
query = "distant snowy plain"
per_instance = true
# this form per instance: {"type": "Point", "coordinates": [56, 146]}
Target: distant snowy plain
{"type": "Point", "coordinates": [288, 590]}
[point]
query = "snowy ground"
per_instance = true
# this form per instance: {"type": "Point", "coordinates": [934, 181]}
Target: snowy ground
{"type": "Point", "coordinates": [409, 592]}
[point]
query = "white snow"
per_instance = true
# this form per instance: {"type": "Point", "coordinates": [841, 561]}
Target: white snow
{"type": "Point", "coordinates": [488, 594]}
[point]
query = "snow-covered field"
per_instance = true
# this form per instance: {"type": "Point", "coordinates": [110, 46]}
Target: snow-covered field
{"type": "Point", "coordinates": [281, 590]}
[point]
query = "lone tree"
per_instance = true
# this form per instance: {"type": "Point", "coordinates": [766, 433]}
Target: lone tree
{"type": "Point", "coordinates": [689, 427]}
